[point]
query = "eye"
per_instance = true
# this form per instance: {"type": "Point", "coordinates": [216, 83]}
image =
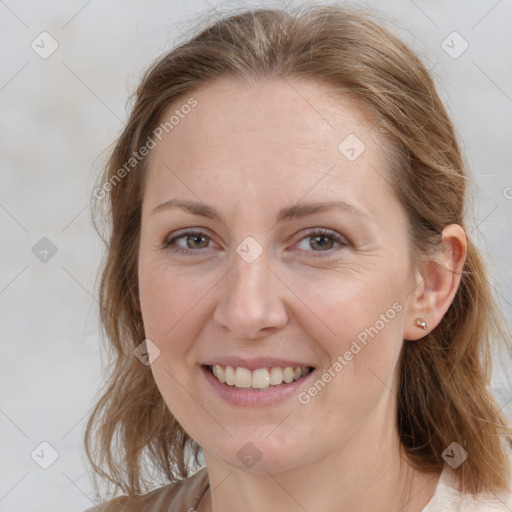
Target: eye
{"type": "Point", "coordinates": [193, 242]}
{"type": "Point", "coordinates": [323, 240]}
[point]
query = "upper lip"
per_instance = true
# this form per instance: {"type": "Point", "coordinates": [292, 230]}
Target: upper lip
{"type": "Point", "coordinates": [254, 363]}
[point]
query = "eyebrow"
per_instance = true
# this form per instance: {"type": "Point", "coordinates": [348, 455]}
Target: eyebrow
{"type": "Point", "coordinates": [285, 214]}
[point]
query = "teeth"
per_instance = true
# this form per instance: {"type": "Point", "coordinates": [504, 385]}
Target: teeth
{"type": "Point", "coordinates": [230, 375]}
{"type": "Point", "coordinates": [276, 376]}
{"type": "Point", "coordinates": [261, 378]}
{"type": "Point", "coordinates": [221, 374]}
{"type": "Point", "coordinates": [288, 374]}
{"type": "Point", "coordinates": [243, 378]}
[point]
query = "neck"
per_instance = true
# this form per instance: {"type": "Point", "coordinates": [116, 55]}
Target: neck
{"type": "Point", "coordinates": [368, 472]}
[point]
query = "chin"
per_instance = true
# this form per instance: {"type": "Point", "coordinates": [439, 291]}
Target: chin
{"type": "Point", "coordinates": [257, 453]}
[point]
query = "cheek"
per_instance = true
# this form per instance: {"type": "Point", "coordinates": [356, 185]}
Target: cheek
{"type": "Point", "coordinates": [344, 306]}
{"type": "Point", "coordinates": [169, 298]}
{"type": "Point", "coordinates": [358, 321]}
{"type": "Point", "coordinates": [171, 308]}
{"type": "Point", "coordinates": [362, 355]}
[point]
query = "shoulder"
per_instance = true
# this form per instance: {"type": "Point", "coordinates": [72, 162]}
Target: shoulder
{"type": "Point", "coordinates": [182, 495]}
{"type": "Point", "coordinates": [447, 498]}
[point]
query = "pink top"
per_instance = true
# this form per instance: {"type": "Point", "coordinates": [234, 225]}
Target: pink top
{"type": "Point", "coordinates": [447, 499]}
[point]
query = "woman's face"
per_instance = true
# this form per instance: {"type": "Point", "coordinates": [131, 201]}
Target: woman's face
{"type": "Point", "coordinates": [256, 280]}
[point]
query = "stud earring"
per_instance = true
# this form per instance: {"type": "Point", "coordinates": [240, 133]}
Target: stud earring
{"type": "Point", "coordinates": [420, 322]}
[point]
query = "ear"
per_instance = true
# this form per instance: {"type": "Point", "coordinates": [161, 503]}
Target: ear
{"type": "Point", "coordinates": [436, 284]}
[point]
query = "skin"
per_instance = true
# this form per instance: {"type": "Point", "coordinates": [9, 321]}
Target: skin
{"type": "Point", "coordinates": [248, 150]}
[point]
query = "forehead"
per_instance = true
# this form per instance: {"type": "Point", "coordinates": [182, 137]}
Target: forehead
{"type": "Point", "coordinates": [276, 138]}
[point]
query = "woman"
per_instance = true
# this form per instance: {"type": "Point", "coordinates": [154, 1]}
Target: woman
{"type": "Point", "coordinates": [289, 287]}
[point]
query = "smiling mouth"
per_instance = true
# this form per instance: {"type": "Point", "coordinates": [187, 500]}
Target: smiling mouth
{"type": "Point", "coordinates": [259, 379]}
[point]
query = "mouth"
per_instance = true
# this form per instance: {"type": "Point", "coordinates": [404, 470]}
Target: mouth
{"type": "Point", "coordinates": [258, 379]}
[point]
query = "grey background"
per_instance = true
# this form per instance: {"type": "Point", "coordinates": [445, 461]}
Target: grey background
{"type": "Point", "coordinates": [60, 113]}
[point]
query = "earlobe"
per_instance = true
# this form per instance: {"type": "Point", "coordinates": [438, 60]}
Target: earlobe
{"type": "Point", "coordinates": [438, 282]}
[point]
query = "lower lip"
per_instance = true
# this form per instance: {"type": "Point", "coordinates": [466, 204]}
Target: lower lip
{"type": "Point", "coordinates": [247, 397]}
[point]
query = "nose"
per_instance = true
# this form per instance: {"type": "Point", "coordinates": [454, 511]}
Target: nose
{"type": "Point", "coordinates": [251, 304]}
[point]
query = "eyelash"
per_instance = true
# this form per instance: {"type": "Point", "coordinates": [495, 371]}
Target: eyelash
{"type": "Point", "coordinates": [317, 254]}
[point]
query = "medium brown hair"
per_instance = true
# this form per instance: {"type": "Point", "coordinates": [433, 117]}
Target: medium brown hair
{"type": "Point", "coordinates": [444, 392]}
